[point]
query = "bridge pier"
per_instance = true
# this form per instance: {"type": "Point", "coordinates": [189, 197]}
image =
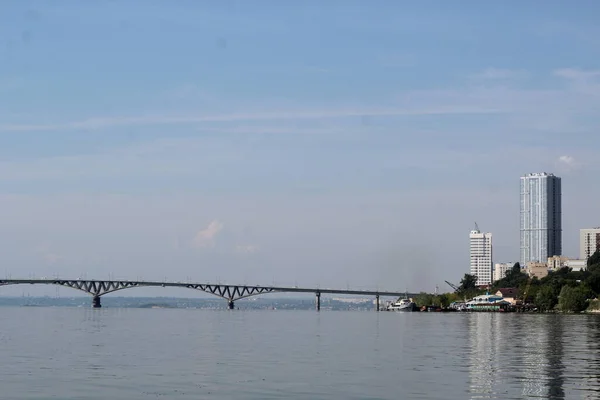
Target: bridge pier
{"type": "Point", "coordinates": [96, 302]}
{"type": "Point", "coordinates": [230, 305]}
{"type": "Point", "coordinates": [377, 303]}
{"type": "Point", "coordinates": [318, 304]}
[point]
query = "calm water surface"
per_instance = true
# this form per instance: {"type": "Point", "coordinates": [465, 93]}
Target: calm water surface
{"type": "Point", "coordinates": [76, 353]}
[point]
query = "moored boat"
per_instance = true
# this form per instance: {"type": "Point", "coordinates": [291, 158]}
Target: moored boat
{"type": "Point", "coordinates": [402, 304]}
{"type": "Point", "coordinates": [488, 302]}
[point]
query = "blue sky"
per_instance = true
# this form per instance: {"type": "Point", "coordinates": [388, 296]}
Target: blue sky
{"type": "Point", "coordinates": [335, 143]}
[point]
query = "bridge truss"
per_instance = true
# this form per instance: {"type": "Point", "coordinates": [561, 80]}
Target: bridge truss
{"type": "Point", "coordinates": [231, 293]}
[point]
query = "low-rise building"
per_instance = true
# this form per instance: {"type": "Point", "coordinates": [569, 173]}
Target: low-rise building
{"type": "Point", "coordinates": [537, 269]}
{"type": "Point", "coordinates": [576, 265]}
{"type": "Point", "coordinates": [500, 270]}
{"type": "Point", "coordinates": [557, 262]}
{"type": "Point", "coordinates": [509, 294]}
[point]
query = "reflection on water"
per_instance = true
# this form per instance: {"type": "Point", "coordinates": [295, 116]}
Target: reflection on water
{"type": "Point", "coordinates": [515, 356]}
{"type": "Point", "coordinates": [554, 353]}
{"type": "Point", "coordinates": [136, 354]}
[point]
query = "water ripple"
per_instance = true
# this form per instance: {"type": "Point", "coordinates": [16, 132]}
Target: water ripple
{"type": "Point", "coordinates": [189, 354]}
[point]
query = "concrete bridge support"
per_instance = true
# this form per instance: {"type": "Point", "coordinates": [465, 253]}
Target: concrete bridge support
{"type": "Point", "coordinates": [230, 304]}
{"type": "Point", "coordinates": [96, 302]}
{"type": "Point", "coordinates": [377, 303]}
{"type": "Point", "coordinates": [318, 304]}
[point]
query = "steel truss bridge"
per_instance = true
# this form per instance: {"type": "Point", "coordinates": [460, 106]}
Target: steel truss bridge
{"type": "Point", "coordinates": [231, 293]}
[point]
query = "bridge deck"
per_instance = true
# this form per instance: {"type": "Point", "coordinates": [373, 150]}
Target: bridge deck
{"type": "Point", "coordinates": [281, 289]}
{"type": "Point", "coordinates": [98, 288]}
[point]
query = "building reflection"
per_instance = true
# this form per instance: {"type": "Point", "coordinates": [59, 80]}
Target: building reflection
{"type": "Point", "coordinates": [591, 359]}
{"type": "Point", "coordinates": [554, 350]}
{"type": "Point", "coordinates": [484, 335]}
{"type": "Point", "coordinates": [515, 356]}
{"type": "Point", "coordinates": [534, 360]}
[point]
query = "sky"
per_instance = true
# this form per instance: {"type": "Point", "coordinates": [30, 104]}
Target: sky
{"type": "Point", "coordinates": [342, 144]}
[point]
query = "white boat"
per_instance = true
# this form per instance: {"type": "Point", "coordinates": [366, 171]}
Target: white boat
{"type": "Point", "coordinates": [402, 304]}
{"type": "Point", "coordinates": [486, 301]}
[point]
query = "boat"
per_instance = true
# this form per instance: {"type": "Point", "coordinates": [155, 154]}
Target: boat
{"type": "Point", "coordinates": [458, 306]}
{"type": "Point", "coordinates": [402, 304]}
{"type": "Point", "coordinates": [488, 302]}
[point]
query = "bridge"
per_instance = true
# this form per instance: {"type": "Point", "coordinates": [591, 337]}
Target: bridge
{"type": "Point", "coordinates": [231, 293]}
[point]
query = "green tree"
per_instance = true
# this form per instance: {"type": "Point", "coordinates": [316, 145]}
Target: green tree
{"type": "Point", "coordinates": [515, 270]}
{"type": "Point", "coordinates": [423, 299]}
{"type": "Point", "coordinates": [468, 282]}
{"type": "Point", "coordinates": [594, 259]}
{"type": "Point", "coordinates": [515, 277]}
{"type": "Point", "coordinates": [573, 299]}
{"type": "Point", "coordinates": [442, 300]}
{"type": "Point", "coordinates": [593, 263]}
{"type": "Point", "coordinates": [545, 298]}
{"type": "Point", "coordinates": [468, 287]}
{"type": "Point", "coordinates": [593, 281]}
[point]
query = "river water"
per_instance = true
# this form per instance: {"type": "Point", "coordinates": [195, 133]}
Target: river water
{"type": "Point", "coordinates": [83, 353]}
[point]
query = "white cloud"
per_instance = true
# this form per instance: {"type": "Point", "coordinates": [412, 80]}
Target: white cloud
{"type": "Point", "coordinates": [576, 73]}
{"type": "Point", "coordinates": [206, 237]}
{"type": "Point", "coordinates": [480, 99]}
{"type": "Point", "coordinates": [586, 82]}
{"type": "Point", "coordinates": [567, 163]}
{"type": "Point", "coordinates": [106, 122]}
{"type": "Point", "coordinates": [568, 160]}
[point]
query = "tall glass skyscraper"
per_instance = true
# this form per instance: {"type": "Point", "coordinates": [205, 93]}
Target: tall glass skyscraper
{"type": "Point", "coordinates": [541, 215]}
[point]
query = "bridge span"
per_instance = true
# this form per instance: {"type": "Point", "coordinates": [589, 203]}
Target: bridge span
{"type": "Point", "coordinates": [231, 293]}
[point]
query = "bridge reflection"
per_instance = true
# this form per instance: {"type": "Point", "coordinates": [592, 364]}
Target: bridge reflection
{"type": "Point", "coordinates": [231, 293]}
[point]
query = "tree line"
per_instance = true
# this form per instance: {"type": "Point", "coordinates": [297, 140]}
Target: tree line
{"type": "Point", "coordinates": [562, 290]}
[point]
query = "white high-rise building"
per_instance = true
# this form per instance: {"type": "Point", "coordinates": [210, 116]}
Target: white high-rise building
{"type": "Point", "coordinates": [541, 215]}
{"type": "Point", "coordinates": [481, 256]}
{"type": "Point", "coordinates": [589, 242]}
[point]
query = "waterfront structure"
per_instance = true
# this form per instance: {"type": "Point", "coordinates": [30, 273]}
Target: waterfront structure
{"type": "Point", "coordinates": [537, 269]}
{"type": "Point", "coordinates": [589, 242]}
{"type": "Point", "coordinates": [500, 270]}
{"type": "Point", "coordinates": [541, 217]}
{"type": "Point", "coordinates": [481, 256]}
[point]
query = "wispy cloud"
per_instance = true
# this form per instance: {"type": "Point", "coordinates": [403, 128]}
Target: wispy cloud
{"type": "Point", "coordinates": [567, 163]}
{"type": "Point", "coordinates": [586, 82]}
{"type": "Point", "coordinates": [568, 160]}
{"type": "Point", "coordinates": [576, 73]}
{"type": "Point", "coordinates": [106, 122]}
{"type": "Point", "coordinates": [206, 237]}
{"type": "Point", "coordinates": [501, 97]}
